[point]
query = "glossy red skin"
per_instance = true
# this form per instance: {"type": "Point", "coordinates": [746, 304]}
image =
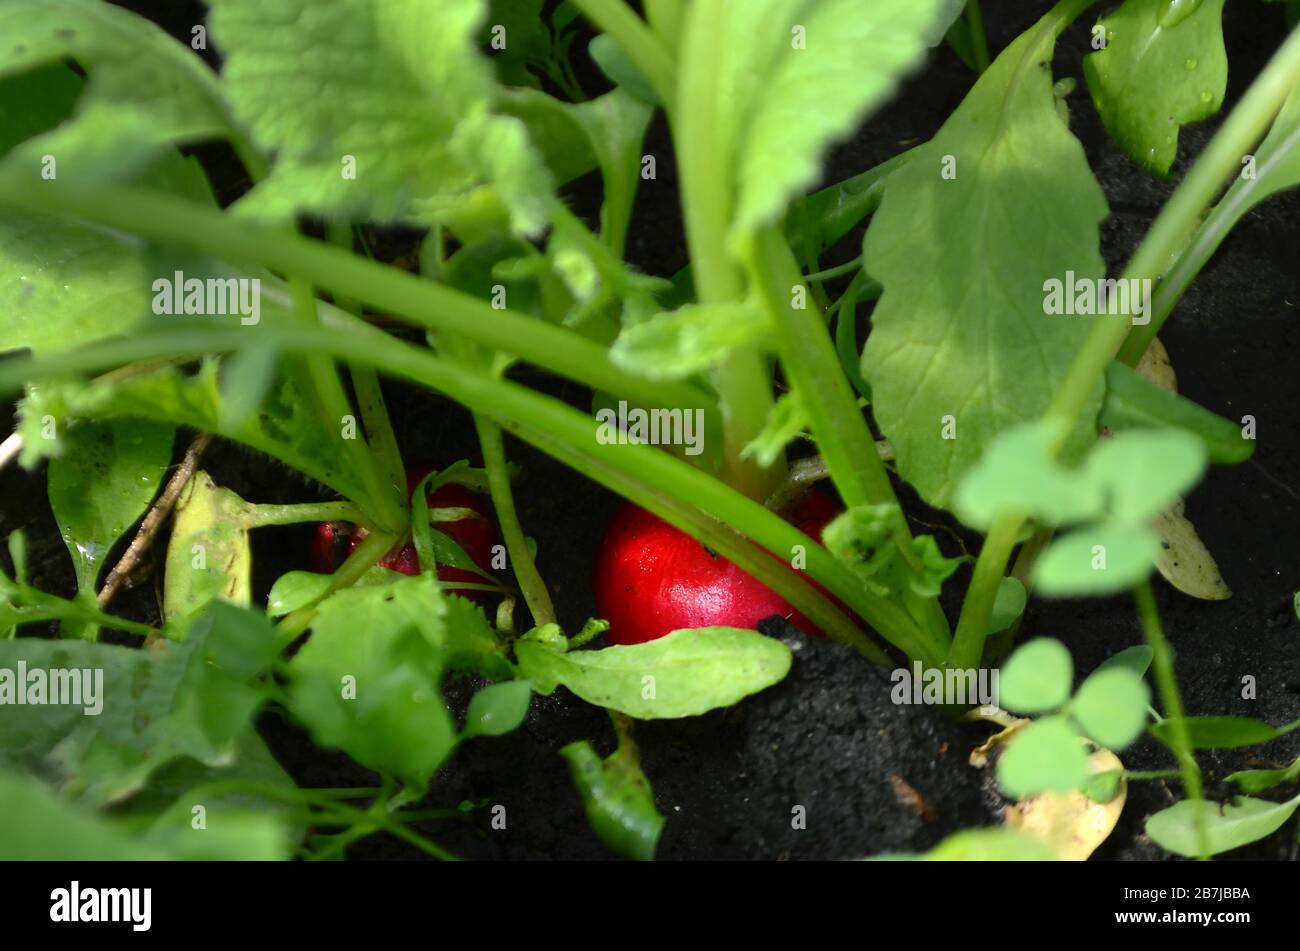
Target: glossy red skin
{"type": "Point", "coordinates": [477, 536]}
{"type": "Point", "coordinates": [652, 579]}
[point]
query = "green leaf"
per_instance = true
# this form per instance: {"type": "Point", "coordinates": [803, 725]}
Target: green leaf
{"type": "Point", "coordinates": [102, 485]}
{"type": "Point", "coordinates": [61, 284]}
{"type": "Point", "coordinates": [621, 71]}
{"type": "Point", "coordinates": [960, 331]}
{"type": "Point", "coordinates": [1097, 560]}
{"type": "Point", "coordinates": [797, 77]}
{"type": "Point", "coordinates": [498, 709]}
{"type": "Point", "coordinates": [1008, 605]}
{"type": "Point", "coordinates": [1258, 780]}
{"type": "Point", "coordinates": [983, 845]}
{"type": "Point", "coordinates": [617, 797]}
{"type": "Point", "coordinates": [1143, 472]}
{"type": "Point", "coordinates": [682, 674]}
{"type": "Point", "coordinates": [683, 342]}
{"type": "Point", "coordinates": [1222, 733]}
{"type": "Point", "coordinates": [1046, 756]}
{"type": "Point", "coordinates": [145, 91]}
{"type": "Point", "coordinates": [1111, 706]}
{"type": "Point", "coordinates": [523, 37]}
{"type": "Point", "coordinates": [1037, 677]}
{"type": "Point", "coordinates": [1017, 476]}
{"type": "Point", "coordinates": [1246, 820]}
{"type": "Point", "coordinates": [863, 538]}
{"type": "Point", "coordinates": [36, 825]}
{"type": "Point", "coordinates": [786, 420]}
{"type": "Point", "coordinates": [209, 555]}
{"type": "Point", "coordinates": [297, 589]}
{"type": "Point", "coordinates": [1136, 659]}
{"type": "Point", "coordinates": [369, 679]}
{"type": "Point", "coordinates": [471, 643]}
{"type": "Point", "coordinates": [286, 427]}
{"type": "Point", "coordinates": [1134, 401]}
{"type": "Point", "coordinates": [1163, 66]}
{"type": "Point", "coordinates": [187, 699]}
{"type": "Point", "coordinates": [375, 111]}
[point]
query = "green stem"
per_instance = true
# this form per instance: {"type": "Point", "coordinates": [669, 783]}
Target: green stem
{"type": "Point", "coordinates": [637, 41]}
{"type": "Point", "coordinates": [813, 368]}
{"type": "Point", "coordinates": [1209, 236]}
{"type": "Point", "coordinates": [1162, 665]}
{"type": "Point", "coordinates": [370, 398]}
{"type": "Point", "coordinates": [978, 39]}
{"type": "Point", "coordinates": [259, 516]}
{"type": "Point", "coordinates": [676, 491]}
{"type": "Point", "coordinates": [419, 302]}
{"type": "Point", "coordinates": [666, 18]}
{"type": "Point", "coordinates": [530, 580]}
{"type": "Point", "coordinates": [742, 380]}
{"type": "Point", "coordinates": [839, 270]}
{"type": "Point", "coordinates": [1169, 234]}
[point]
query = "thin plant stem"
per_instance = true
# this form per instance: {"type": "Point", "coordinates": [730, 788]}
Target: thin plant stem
{"type": "Point", "coordinates": [531, 585]}
{"type": "Point", "coordinates": [1162, 665]}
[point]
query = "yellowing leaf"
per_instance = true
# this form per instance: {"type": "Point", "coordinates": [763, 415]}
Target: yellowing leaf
{"type": "Point", "coordinates": [1071, 824]}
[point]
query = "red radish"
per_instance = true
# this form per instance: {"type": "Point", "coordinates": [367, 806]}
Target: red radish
{"type": "Point", "coordinates": [333, 541]}
{"type": "Point", "coordinates": [652, 579]}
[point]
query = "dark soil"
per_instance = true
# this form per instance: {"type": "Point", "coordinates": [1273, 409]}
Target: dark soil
{"type": "Point", "coordinates": [871, 776]}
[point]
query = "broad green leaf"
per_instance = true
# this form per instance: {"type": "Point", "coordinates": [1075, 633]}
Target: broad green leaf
{"type": "Point", "coordinates": [471, 643]}
{"type": "Point", "coordinates": [683, 674]}
{"type": "Point", "coordinates": [1008, 605]}
{"type": "Point", "coordinates": [617, 797]}
{"type": "Point", "coordinates": [1222, 733]}
{"type": "Point", "coordinates": [689, 340]}
{"type": "Point", "coordinates": [375, 111]}
{"type": "Point", "coordinates": [209, 555]}
{"type": "Point", "coordinates": [181, 699]}
{"type": "Point", "coordinates": [795, 77]}
{"type": "Point", "coordinates": [37, 825]}
{"type": "Point", "coordinates": [1246, 820]}
{"type": "Point", "coordinates": [786, 420]}
{"type": "Point", "coordinates": [498, 708]}
{"type": "Point", "coordinates": [1046, 756]}
{"type": "Point", "coordinates": [984, 845]}
{"type": "Point", "coordinates": [287, 426]}
{"type": "Point", "coordinates": [102, 485]}
{"type": "Point", "coordinates": [369, 679]}
{"type": "Point", "coordinates": [1037, 677]}
{"type": "Point", "coordinates": [61, 284]}
{"type": "Point", "coordinates": [297, 589]}
{"type": "Point", "coordinates": [1097, 560]}
{"type": "Point", "coordinates": [1111, 706]}
{"type": "Point", "coordinates": [554, 130]}
{"type": "Point", "coordinates": [145, 91]}
{"type": "Point", "coordinates": [1143, 472]}
{"type": "Point", "coordinates": [1163, 66]}
{"type": "Point", "coordinates": [1257, 780]}
{"type": "Point", "coordinates": [1017, 476]}
{"type": "Point", "coordinates": [1136, 659]}
{"type": "Point", "coordinates": [1001, 200]}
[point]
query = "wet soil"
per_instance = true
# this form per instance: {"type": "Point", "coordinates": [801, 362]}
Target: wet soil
{"type": "Point", "coordinates": [870, 776]}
